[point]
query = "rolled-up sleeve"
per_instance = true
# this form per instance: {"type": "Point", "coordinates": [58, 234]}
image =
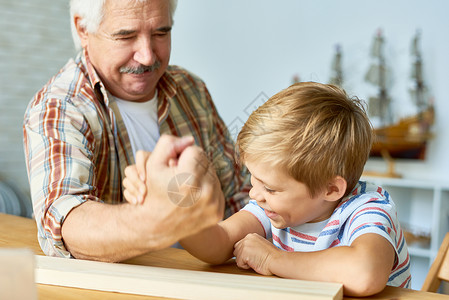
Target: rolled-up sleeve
{"type": "Point", "coordinates": [58, 150]}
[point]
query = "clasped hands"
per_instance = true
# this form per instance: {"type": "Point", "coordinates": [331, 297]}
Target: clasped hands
{"type": "Point", "coordinates": [148, 184]}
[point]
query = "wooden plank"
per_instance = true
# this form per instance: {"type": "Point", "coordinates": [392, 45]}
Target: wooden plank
{"type": "Point", "coordinates": [17, 274]}
{"type": "Point", "coordinates": [172, 283]}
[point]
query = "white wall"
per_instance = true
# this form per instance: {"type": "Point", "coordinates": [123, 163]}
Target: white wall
{"type": "Point", "coordinates": [35, 43]}
{"type": "Point", "coordinates": [242, 48]}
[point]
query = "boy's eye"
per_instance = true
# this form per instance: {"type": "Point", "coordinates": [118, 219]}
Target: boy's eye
{"type": "Point", "coordinates": [269, 190]}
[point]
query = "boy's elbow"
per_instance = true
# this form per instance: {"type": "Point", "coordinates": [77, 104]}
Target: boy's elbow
{"type": "Point", "coordinates": [365, 285]}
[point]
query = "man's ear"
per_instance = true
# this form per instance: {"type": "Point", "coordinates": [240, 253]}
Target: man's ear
{"type": "Point", "coordinates": [336, 189]}
{"type": "Point", "coordinates": [81, 30]}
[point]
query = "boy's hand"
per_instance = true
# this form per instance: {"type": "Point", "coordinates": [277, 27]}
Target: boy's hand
{"type": "Point", "coordinates": [255, 252]}
{"type": "Point", "coordinates": [134, 188]}
{"type": "Point", "coordinates": [134, 183]}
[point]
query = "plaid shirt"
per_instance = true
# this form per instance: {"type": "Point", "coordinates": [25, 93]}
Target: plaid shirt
{"type": "Point", "coordinates": [77, 147]}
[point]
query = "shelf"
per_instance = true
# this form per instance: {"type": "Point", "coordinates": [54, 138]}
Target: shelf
{"type": "Point", "coordinates": [408, 182]}
{"type": "Point", "coordinates": [422, 207]}
{"type": "Point", "coordinates": [421, 252]}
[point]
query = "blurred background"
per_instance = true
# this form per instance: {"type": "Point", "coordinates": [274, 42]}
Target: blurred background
{"type": "Point", "coordinates": [249, 50]}
{"type": "Point", "coordinates": [246, 51]}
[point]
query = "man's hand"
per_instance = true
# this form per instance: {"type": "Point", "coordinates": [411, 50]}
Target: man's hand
{"type": "Point", "coordinates": [255, 252]}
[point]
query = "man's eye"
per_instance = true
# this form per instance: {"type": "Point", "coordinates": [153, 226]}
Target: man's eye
{"type": "Point", "coordinates": [161, 33]}
{"type": "Point", "coordinates": [125, 38]}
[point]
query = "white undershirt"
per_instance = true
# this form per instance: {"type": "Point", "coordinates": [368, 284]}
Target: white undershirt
{"type": "Point", "coordinates": [140, 119]}
{"type": "Point", "coordinates": [313, 229]}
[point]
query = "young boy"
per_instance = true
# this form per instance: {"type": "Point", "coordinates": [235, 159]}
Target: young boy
{"type": "Point", "coordinates": [306, 148]}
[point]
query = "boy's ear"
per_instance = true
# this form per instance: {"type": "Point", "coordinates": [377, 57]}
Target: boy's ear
{"type": "Point", "coordinates": [336, 189]}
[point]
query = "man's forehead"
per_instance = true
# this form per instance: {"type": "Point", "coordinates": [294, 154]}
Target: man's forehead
{"type": "Point", "coordinates": [126, 11]}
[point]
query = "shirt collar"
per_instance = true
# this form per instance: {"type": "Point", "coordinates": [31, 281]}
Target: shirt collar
{"type": "Point", "coordinates": [167, 85]}
{"type": "Point", "coordinates": [93, 77]}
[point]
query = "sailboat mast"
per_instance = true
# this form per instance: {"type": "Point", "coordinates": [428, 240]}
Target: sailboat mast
{"type": "Point", "coordinates": [383, 95]}
{"type": "Point", "coordinates": [377, 75]}
{"type": "Point", "coordinates": [417, 74]}
{"type": "Point", "coordinates": [337, 69]}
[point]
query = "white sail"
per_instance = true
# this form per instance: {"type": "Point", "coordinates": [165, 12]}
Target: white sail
{"type": "Point", "coordinates": [377, 45]}
{"type": "Point", "coordinates": [373, 75]}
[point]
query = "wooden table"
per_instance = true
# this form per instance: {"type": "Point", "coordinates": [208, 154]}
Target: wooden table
{"type": "Point", "coordinates": [18, 232]}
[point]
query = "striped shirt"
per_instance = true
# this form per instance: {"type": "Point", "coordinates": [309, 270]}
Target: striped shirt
{"type": "Point", "coordinates": [368, 209]}
{"type": "Point", "coordinates": [77, 147]}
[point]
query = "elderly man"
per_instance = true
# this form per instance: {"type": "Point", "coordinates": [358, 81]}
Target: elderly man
{"type": "Point", "coordinates": [88, 123]}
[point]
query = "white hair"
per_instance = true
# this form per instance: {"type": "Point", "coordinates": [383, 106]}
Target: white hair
{"type": "Point", "coordinates": [91, 12]}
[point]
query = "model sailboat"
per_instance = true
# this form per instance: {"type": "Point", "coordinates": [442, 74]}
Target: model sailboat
{"type": "Point", "coordinates": [407, 137]}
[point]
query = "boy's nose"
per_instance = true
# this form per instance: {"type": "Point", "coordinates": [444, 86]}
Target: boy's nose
{"type": "Point", "coordinates": [253, 194]}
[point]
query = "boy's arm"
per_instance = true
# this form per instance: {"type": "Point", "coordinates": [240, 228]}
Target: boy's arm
{"type": "Point", "coordinates": [363, 268]}
{"type": "Point", "coordinates": [215, 244]}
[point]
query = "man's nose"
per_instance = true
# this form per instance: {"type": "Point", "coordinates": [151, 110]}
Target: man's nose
{"type": "Point", "coordinates": [144, 53]}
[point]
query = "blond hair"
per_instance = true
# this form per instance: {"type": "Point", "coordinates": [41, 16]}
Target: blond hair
{"type": "Point", "coordinates": [314, 131]}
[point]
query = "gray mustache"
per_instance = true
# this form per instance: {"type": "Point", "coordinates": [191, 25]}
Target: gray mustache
{"type": "Point", "coordinates": [140, 69]}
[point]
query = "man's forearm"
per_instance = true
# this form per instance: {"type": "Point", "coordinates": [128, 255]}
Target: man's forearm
{"type": "Point", "coordinates": [108, 232]}
{"type": "Point", "coordinates": [98, 231]}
